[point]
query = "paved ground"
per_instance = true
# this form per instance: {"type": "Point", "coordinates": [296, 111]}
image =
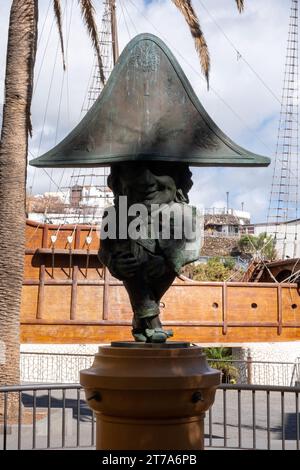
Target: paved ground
{"type": "Point", "coordinates": [79, 426]}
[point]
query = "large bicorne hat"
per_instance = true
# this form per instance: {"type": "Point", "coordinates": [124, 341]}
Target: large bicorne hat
{"type": "Point", "coordinates": [147, 111]}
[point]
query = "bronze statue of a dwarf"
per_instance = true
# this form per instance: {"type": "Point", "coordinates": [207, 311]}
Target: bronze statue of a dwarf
{"type": "Point", "coordinates": [168, 237]}
{"type": "Point", "coordinates": [149, 127]}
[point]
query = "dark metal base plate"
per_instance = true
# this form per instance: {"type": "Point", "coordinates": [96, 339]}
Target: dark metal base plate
{"type": "Point", "coordinates": [136, 345]}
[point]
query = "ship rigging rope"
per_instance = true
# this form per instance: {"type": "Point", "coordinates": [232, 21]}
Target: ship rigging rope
{"type": "Point", "coordinates": [197, 72]}
{"type": "Point", "coordinates": [89, 98]}
{"type": "Point", "coordinates": [65, 76]}
{"type": "Point", "coordinates": [261, 259]}
{"type": "Point", "coordinates": [85, 103]}
{"type": "Point", "coordinates": [288, 142]}
{"type": "Point", "coordinates": [44, 23]}
{"type": "Point", "coordinates": [294, 267]}
{"type": "Point", "coordinates": [295, 274]}
{"type": "Point", "coordinates": [292, 276]}
{"type": "Point", "coordinates": [125, 21]}
{"type": "Point", "coordinates": [64, 194]}
{"type": "Point", "coordinates": [127, 12]}
{"type": "Point", "coordinates": [43, 57]}
{"type": "Point", "coordinates": [87, 88]}
{"type": "Point", "coordinates": [239, 54]}
{"type": "Point", "coordinates": [48, 98]}
{"type": "Point", "coordinates": [58, 120]}
{"type": "Point", "coordinates": [68, 27]}
{"type": "Point", "coordinates": [40, 69]}
{"type": "Point", "coordinates": [239, 118]}
{"type": "Point", "coordinates": [49, 94]}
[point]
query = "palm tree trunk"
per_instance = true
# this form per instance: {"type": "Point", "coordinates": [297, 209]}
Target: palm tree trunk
{"type": "Point", "coordinates": [13, 161]}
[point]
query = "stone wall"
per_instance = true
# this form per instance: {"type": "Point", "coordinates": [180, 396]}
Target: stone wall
{"type": "Point", "coordinates": [219, 246]}
{"type": "Point", "coordinates": [55, 363]}
{"type": "Point", "coordinates": [224, 219]}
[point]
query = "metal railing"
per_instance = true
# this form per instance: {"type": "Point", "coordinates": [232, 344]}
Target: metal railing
{"type": "Point", "coordinates": [64, 368]}
{"type": "Point", "coordinates": [254, 417]}
{"type": "Point", "coordinates": [57, 417]}
{"type": "Point", "coordinates": [45, 417]}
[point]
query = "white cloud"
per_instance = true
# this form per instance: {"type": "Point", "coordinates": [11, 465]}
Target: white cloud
{"type": "Point", "coordinates": [259, 35]}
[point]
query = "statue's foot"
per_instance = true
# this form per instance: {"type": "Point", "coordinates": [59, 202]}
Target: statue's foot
{"type": "Point", "coordinates": [139, 336]}
{"type": "Point", "coordinates": [158, 335]}
{"type": "Point", "coordinates": [150, 330]}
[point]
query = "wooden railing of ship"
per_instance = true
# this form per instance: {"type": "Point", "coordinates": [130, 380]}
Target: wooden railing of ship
{"type": "Point", "coordinates": [69, 297]}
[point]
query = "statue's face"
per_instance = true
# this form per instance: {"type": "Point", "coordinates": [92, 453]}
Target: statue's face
{"type": "Point", "coordinates": [146, 183]}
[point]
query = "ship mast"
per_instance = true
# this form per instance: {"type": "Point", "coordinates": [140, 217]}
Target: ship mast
{"type": "Point", "coordinates": [114, 30]}
{"type": "Point", "coordinates": [90, 185]}
{"type": "Point", "coordinates": [109, 49]}
{"type": "Point", "coordinates": [284, 198]}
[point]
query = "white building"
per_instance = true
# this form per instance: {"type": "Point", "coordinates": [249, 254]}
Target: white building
{"type": "Point", "coordinates": [287, 235]}
{"type": "Point", "coordinates": [77, 205]}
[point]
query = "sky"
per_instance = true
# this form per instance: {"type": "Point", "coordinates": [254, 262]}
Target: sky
{"type": "Point", "coordinates": [247, 54]}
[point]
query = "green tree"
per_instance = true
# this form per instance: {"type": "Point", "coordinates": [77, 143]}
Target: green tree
{"type": "Point", "coordinates": [214, 270]}
{"type": "Point", "coordinates": [220, 359]}
{"type": "Point", "coordinates": [261, 246]}
{"type": "Point", "coordinates": [229, 262]}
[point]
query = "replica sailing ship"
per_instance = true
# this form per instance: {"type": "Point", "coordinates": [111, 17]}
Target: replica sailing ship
{"type": "Point", "coordinates": [69, 297]}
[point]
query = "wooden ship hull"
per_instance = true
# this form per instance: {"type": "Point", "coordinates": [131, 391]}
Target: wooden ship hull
{"type": "Point", "coordinates": [69, 297]}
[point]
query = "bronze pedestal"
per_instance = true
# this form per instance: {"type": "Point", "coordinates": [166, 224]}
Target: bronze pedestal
{"type": "Point", "coordinates": [150, 397]}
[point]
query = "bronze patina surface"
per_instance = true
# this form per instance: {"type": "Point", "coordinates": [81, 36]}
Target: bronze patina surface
{"type": "Point", "coordinates": [147, 111]}
{"type": "Point", "coordinates": [148, 264]}
{"type": "Point", "coordinates": [149, 126]}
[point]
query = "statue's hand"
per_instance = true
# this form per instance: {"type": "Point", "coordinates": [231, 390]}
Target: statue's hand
{"type": "Point", "coordinates": [156, 267]}
{"type": "Point", "coordinates": [125, 265]}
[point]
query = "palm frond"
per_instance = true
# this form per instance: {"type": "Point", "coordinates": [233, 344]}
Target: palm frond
{"type": "Point", "coordinates": [187, 10]}
{"type": "Point", "coordinates": [88, 13]}
{"type": "Point", "coordinates": [240, 5]}
{"type": "Point", "coordinates": [58, 16]}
